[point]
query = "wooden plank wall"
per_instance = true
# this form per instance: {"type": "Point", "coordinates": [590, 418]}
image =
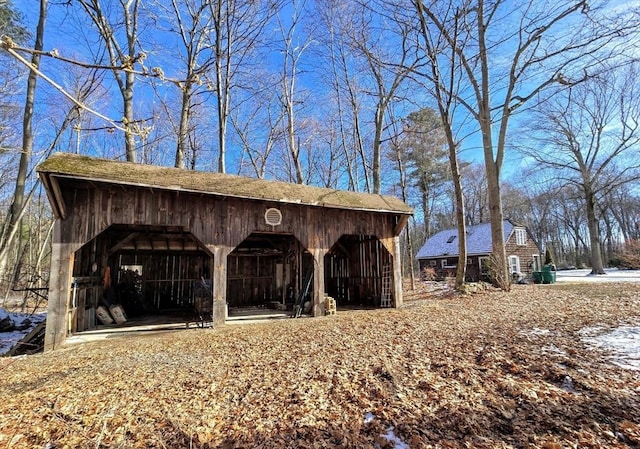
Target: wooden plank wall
{"type": "Point", "coordinates": [251, 280]}
{"type": "Point", "coordinates": [356, 277]}
{"type": "Point", "coordinates": [213, 220]}
{"type": "Point", "coordinates": [524, 252]}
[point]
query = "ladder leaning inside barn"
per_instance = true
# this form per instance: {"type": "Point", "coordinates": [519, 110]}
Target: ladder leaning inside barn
{"type": "Point", "coordinates": [299, 304]}
{"type": "Point", "coordinates": [386, 297]}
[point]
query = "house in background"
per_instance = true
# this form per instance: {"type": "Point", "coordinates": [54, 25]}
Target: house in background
{"type": "Point", "coordinates": [440, 251]}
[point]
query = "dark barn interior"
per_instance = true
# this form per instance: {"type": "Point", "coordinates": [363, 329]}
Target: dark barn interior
{"type": "Point", "coordinates": [148, 270]}
{"type": "Point", "coordinates": [161, 270]}
{"type": "Point", "coordinates": [354, 270]}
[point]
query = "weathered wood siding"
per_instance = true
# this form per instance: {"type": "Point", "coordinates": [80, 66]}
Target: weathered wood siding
{"type": "Point", "coordinates": [215, 221]}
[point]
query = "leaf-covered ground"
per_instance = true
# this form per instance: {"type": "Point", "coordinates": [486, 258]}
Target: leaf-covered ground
{"type": "Point", "coordinates": [490, 370]}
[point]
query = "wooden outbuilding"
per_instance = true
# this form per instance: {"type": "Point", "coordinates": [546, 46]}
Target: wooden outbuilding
{"type": "Point", "coordinates": [159, 240]}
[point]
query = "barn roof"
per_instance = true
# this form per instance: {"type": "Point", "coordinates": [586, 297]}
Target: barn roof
{"type": "Point", "coordinates": [445, 243]}
{"type": "Point", "coordinates": [73, 166]}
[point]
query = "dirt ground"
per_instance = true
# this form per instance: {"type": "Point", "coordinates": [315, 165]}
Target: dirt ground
{"type": "Point", "coordinates": [488, 370]}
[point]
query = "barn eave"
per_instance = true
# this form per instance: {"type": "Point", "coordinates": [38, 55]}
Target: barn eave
{"type": "Point", "coordinates": [95, 170]}
{"type": "Point", "coordinates": [53, 190]}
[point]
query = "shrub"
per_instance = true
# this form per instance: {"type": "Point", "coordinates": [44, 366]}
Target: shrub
{"type": "Point", "coordinates": [429, 274]}
{"type": "Point", "coordinates": [629, 257]}
{"type": "Point", "coordinates": [496, 276]}
{"type": "Point", "coordinates": [548, 258]}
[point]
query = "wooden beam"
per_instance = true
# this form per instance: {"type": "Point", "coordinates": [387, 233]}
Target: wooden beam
{"type": "Point", "coordinates": [402, 222]}
{"type": "Point", "coordinates": [62, 255]}
{"type": "Point", "coordinates": [219, 284]}
{"type": "Point", "coordinates": [123, 242]}
{"type": "Point", "coordinates": [397, 273]}
{"type": "Point", "coordinates": [55, 196]}
{"type": "Point", "coordinates": [318, 281]}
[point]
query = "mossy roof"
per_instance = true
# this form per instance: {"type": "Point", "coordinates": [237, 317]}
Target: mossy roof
{"type": "Point", "coordinates": [73, 166]}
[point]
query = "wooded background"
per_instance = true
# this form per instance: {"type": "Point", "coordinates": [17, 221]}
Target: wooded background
{"type": "Point", "coordinates": [531, 109]}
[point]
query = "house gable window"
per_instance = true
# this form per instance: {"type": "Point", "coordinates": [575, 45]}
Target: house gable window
{"type": "Point", "coordinates": [521, 237]}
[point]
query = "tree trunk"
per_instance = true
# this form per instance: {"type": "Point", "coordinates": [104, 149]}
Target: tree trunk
{"type": "Point", "coordinates": [184, 125]}
{"type": "Point", "coordinates": [426, 210]}
{"type": "Point", "coordinates": [412, 275]}
{"type": "Point", "coordinates": [592, 222]}
{"type": "Point", "coordinates": [223, 102]}
{"type": "Point", "coordinates": [130, 125]}
{"type": "Point", "coordinates": [18, 203]}
{"type": "Point", "coordinates": [379, 118]}
{"type": "Point", "coordinates": [493, 163]}
{"type": "Point", "coordinates": [501, 278]}
{"type": "Point", "coordinates": [403, 189]}
{"type": "Point", "coordinates": [291, 138]}
{"type": "Point", "coordinates": [461, 272]}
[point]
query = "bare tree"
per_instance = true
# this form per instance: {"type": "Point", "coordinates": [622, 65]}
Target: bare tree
{"type": "Point", "coordinates": [237, 27]}
{"type": "Point", "coordinates": [387, 66]}
{"type": "Point", "coordinates": [190, 22]}
{"type": "Point", "coordinates": [19, 203]}
{"type": "Point", "coordinates": [293, 49]}
{"type": "Point", "coordinates": [474, 185]}
{"type": "Point", "coordinates": [257, 123]}
{"type": "Point", "coordinates": [10, 76]}
{"type": "Point", "coordinates": [588, 134]}
{"type": "Point", "coordinates": [445, 85]}
{"type": "Point", "coordinates": [117, 26]}
{"type": "Point", "coordinates": [624, 204]}
{"type": "Point", "coordinates": [344, 82]}
{"type": "Point", "coordinates": [399, 155]}
{"type": "Point", "coordinates": [507, 54]}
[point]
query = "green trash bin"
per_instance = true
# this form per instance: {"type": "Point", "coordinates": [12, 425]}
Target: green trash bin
{"type": "Point", "coordinates": [548, 274]}
{"type": "Point", "coordinates": [537, 277]}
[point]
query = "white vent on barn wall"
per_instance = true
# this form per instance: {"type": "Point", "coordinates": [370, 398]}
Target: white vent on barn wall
{"type": "Point", "coordinates": [273, 217]}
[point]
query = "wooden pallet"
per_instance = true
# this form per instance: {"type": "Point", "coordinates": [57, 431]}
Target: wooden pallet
{"type": "Point", "coordinates": [31, 343]}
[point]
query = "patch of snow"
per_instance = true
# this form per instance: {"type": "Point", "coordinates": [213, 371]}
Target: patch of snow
{"type": "Point", "coordinates": [391, 437]}
{"type": "Point", "coordinates": [538, 332]}
{"type": "Point", "coordinates": [553, 349]}
{"type": "Point", "coordinates": [3, 314]}
{"type": "Point", "coordinates": [623, 343]}
{"type": "Point", "coordinates": [584, 275]}
{"type": "Point", "coordinates": [567, 384]}
{"type": "Point", "coordinates": [9, 339]}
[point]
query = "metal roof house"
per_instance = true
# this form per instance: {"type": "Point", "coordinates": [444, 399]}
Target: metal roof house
{"type": "Point", "coordinates": [440, 251]}
{"type": "Point", "coordinates": [150, 237]}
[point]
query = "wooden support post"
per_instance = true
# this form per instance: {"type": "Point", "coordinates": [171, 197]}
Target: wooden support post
{"type": "Point", "coordinates": [397, 272]}
{"type": "Point", "coordinates": [219, 284]}
{"type": "Point", "coordinates": [318, 282]}
{"type": "Point", "coordinates": [62, 255]}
